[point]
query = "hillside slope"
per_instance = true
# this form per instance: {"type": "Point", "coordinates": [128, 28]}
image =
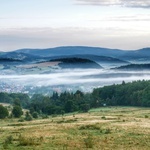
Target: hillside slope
{"type": "Point", "coordinates": [74, 63]}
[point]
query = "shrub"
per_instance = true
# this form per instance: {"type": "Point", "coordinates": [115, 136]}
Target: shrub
{"type": "Point", "coordinates": [44, 116]}
{"type": "Point", "coordinates": [28, 116]}
{"type": "Point", "coordinates": [21, 120]}
{"type": "Point", "coordinates": [35, 115]}
{"type": "Point", "coordinates": [89, 142]}
{"type": "Point", "coordinates": [103, 117]}
{"type": "Point", "coordinates": [67, 121]}
{"type": "Point", "coordinates": [90, 127]}
{"type": "Point", "coordinates": [7, 141]}
{"type": "Point", "coordinates": [29, 141]}
{"type": "Point", "coordinates": [107, 131]}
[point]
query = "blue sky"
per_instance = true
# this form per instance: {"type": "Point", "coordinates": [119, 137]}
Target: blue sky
{"type": "Point", "coordinates": [122, 24]}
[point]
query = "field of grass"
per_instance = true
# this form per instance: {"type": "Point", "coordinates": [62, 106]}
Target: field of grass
{"type": "Point", "coordinates": [114, 128]}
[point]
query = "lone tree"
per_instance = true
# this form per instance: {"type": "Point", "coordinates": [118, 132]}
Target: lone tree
{"type": "Point", "coordinates": [3, 112]}
{"type": "Point", "coordinates": [17, 111]}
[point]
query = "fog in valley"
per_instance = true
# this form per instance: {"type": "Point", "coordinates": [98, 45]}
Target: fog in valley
{"type": "Point", "coordinates": [85, 79]}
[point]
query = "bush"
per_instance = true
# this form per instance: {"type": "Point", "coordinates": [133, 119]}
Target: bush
{"type": "Point", "coordinates": [89, 142]}
{"type": "Point", "coordinates": [103, 117]}
{"type": "Point", "coordinates": [29, 141]}
{"type": "Point", "coordinates": [44, 116]}
{"type": "Point", "coordinates": [35, 115]}
{"type": "Point", "coordinates": [7, 141]}
{"type": "Point", "coordinates": [28, 117]}
{"type": "Point", "coordinates": [107, 131]}
{"type": "Point", "coordinates": [90, 127]}
{"type": "Point", "coordinates": [21, 120]}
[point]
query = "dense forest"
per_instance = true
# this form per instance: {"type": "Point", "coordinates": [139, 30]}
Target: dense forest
{"type": "Point", "coordinates": [74, 62]}
{"type": "Point", "coordinates": [135, 67]}
{"type": "Point", "coordinates": [136, 93]}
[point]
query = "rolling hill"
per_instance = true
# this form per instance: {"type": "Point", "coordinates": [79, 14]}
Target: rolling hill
{"type": "Point", "coordinates": [75, 57]}
{"type": "Point", "coordinates": [134, 67]}
{"type": "Point", "coordinates": [76, 63]}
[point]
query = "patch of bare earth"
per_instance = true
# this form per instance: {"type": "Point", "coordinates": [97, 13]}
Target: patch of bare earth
{"type": "Point", "coordinates": [44, 64]}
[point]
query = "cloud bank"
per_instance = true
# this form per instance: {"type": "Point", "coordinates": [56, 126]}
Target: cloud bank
{"type": "Point", "coordinates": [124, 3]}
{"type": "Point", "coordinates": [52, 37]}
{"type": "Point", "coordinates": [74, 77]}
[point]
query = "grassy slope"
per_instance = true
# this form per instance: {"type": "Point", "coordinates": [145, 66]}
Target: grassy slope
{"type": "Point", "coordinates": [125, 128]}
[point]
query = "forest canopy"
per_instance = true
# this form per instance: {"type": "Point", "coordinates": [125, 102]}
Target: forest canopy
{"type": "Point", "coordinates": [136, 93]}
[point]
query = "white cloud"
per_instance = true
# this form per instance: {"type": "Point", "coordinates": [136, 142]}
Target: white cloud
{"type": "Point", "coordinates": [126, 18]}
{"type": "Point", "coordinates": [125, 3]}
{"type": "Point", "coordinates": [99, 2]}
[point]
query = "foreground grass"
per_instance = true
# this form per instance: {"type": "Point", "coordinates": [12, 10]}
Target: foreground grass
{"type": "Point", "coordinates": [118, 128]}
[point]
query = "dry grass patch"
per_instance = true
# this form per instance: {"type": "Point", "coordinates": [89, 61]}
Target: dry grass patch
{"type": "Point", "coordinates": [116, 128]}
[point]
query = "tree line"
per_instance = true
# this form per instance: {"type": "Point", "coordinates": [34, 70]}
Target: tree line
{"type": "Point", "coordinates": [136, 93]}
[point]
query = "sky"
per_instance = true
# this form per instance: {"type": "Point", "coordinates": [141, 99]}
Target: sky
{"type": "Point", "coordinates": [120, 24]}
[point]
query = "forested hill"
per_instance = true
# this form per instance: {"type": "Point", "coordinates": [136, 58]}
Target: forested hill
{"type": "Point", "coordinates": [76, 62]}
{"type": "Point", "coordinates": [135, 67]}
{"type": "Point", "coordinates": [125, 94]}
{"type": "Point", "coordinates": [136, 93]}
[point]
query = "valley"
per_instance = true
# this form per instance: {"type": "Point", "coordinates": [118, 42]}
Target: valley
{"type": "Point", "coordinates": [70, 68]}
{"type": "Point", "coordinates": [75, 75]}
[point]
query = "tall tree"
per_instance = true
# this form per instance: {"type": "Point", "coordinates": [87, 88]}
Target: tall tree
{"type": "Point", "coordinates": [3, 112]}
{"type": "Point", "coordinates": [17, 111]}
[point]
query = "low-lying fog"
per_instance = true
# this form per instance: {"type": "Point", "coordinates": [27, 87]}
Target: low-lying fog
{"type": "Point", "coordinates": [93, 77]}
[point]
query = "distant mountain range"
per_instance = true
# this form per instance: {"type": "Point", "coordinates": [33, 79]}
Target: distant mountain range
{"type": "Point", "coordinates": [70, 68]}
{"type": "Point", "coordinates": [83, 50]}
{"type": "Point", "coordinates": [71, 57]}
{"type": "Point", "coordinates": [72, 50]}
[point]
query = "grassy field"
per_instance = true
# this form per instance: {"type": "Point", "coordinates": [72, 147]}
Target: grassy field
{"type": "Point", "coordinates": [114, 128]}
